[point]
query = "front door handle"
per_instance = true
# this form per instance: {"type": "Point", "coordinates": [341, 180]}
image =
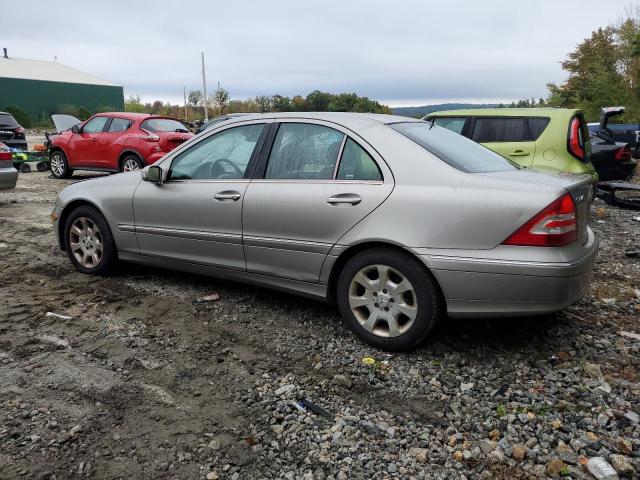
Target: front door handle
{"type": "Point", "coordinates": [519, 153]}
{"type": "Point", "coordinates": [227, 195]}
{"type": "Point", "coordinates": [344, 198]}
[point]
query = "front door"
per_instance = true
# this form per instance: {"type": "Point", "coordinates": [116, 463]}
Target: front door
{"type": "Point", "coordinates": [304, 202]}
{"type": "Point", "coordinates": [196, 214]}
{"type": "Point", "coordinates": [507, 136]}
{"type": "Point", "coordinates": [83, 146]}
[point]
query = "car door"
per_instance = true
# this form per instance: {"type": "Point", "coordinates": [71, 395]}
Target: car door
{"type": "Point", "coordinates": [108, 148]}
{"type": "Point", "coordinates": [195, 215]}
{"type": "Point", "coordinates": [507, 136]}
{"type": "Point", "coordinates": [83, 146]}
{"type": "Point", "coordinates": [303, 201]}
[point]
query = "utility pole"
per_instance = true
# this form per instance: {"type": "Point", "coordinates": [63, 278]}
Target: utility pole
{"type": "Point", "coordinates": [204, 91]}
{"type": "Point", "coordinates": [184, 92]}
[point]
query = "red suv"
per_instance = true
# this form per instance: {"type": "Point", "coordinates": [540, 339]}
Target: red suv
{"type": "Point", "coordinates": [112, 142]}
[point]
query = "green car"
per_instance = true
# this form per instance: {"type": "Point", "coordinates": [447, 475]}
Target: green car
{"type": "Point", "coordinates": [540, 138]}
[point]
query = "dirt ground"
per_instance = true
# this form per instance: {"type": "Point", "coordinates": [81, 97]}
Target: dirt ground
{"type": "Point", "coordinates": [145, 380]}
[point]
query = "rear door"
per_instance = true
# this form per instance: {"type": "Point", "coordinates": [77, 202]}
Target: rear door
{"type": "Point", "coordinates": [107, 155]}
{"type": "Point", "coordinates": [316, 180]}
{"type": "Point", "coordinates": [507, 136]}
{"type": "Point", "coordinates": [83, 146]}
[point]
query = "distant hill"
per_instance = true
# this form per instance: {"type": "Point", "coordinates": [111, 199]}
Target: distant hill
{"type": "Point", "coordinates": [417, 112]}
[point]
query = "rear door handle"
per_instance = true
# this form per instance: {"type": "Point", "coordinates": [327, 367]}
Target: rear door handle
{"type": "Point", "coordinates": [519, 153]}
{"type": "Point", "coordinates": [227, 195]}
{"type": "Point", "coordinates": [344, 198]}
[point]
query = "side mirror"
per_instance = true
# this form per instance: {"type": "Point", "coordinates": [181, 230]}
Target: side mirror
{"type": "Point", "coordinates": [153, 174]}
{"type": "Point", "coordinates": [75, 129]}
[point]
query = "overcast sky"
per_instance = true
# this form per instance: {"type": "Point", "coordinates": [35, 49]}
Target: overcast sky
{"type": "Point", "coordinates": [397, 51]}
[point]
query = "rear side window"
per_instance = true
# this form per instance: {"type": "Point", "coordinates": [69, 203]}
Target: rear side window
{"type": "Point", "coordinates": [156, 125]}
{"type": "Point", "coordinates": [505, 129]}
{"type": "Point", "coordinates": [357, 164]}
{"type": "Point", "coordinates": [455, 124]}
{"type": "Point", "coordinates": [537, 125]}
{"type": "Point", "coordinates": [304, 151]}
{"type": "Point", "coordinates": [119, 125]}
{"type": "Point", "coordinates": [454, 149]}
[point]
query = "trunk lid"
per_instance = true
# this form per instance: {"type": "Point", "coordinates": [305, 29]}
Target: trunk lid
{"type": "Point", "coordinates": [607, 113]}
{"type": "Point", "coordinates": [579, 186]}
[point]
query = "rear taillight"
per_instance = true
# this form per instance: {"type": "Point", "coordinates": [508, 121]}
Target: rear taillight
{"type": "Point", "coordinates": [554, 226]}
{"type": "Point", "coordinates": [575, 141]}
{"type": "Point", "coordinates": [623, 154]}
{"type": "Point", "coordinates": [5, 155]}
{"type": "Point", "coordinates": [18, 130]}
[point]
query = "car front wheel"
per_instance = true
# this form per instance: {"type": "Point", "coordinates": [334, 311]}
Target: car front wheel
{"type": "Point", "coordinates": [88, 241]}
{"type": "Point", "coordinates": [59, 165]}
{"type": "Point", "coordinates": [389, 299]}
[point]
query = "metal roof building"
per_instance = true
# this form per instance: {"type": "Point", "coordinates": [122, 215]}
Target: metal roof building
{"type": "Point", "coordinates": [41, 88]}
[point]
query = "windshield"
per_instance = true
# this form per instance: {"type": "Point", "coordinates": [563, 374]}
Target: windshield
{"type": "Point", "coordinates": [454, 149]}
{"type": "Point", "coordinates": [156, 125]}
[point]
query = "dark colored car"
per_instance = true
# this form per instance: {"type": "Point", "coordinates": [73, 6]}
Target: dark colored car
{"type": "Point", "coordinates": [611, 158]}
{"type": "Point", "coordinates": [217, 120]}
{"type": "Point", "coordinates": [112, 142]}
{"type": "Point", "coordinates": [11, 132]}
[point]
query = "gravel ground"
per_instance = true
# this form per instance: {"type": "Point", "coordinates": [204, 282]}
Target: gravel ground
{"type": "Point", "coordinates": [146, 380]}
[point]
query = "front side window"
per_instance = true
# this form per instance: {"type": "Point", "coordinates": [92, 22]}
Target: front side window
{"type": "Point", "coordinates": [119, 125]}
{"type": "Point", "coordinates": [95, 125]}
{"type": "Point", "coordinates": [224, 155]}
{"type": "Point", "coordinates": [357, 164]}
{"type": "Point", "coordinates": [304, 151]}
{"type": "Point", "coordinates": [455, 124]}
{"type": "Point", "coordinates": [456, 150]}
{"type": "Point", "coordinates": [504, 129]}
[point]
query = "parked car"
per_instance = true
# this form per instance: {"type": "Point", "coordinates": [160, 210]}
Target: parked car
{"type": "Point", "coordinates": [201, 128]}
{"type": "Point", "coordinates": [11, 132]}
{"type": "Point", "coordinates": [398, 221]}
{"type": "Point", "coordinates": [8, 174]}
{"type": "Point", "coordinates": [611, 157]}
{"type": "Point", "coordinates": [541, 138]}
{"type": "Point", "coordinates": [112, 142]}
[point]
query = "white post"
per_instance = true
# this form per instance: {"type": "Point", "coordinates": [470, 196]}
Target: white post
{"type": "Point", "coordinates": [186, 115]}
{"type": "Point", "coordinates": [204, 91]}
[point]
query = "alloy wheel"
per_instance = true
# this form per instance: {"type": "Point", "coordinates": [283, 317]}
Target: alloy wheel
{"type": "Point", "coordinates": [86, 244]}
{"type": "Point", "coordinates": [383, 300]}
{"type": "Point", "coordinates": [130, 164]}
{"type": "Point", "coordinates": [57, 164]}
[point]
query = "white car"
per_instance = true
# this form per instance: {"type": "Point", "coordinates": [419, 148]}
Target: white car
{"type": "Point", "coordinates": [8, 174]}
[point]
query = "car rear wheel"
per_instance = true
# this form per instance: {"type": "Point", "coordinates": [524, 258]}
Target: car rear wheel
{"type": "Point", "coordinates": [389, 299]}
{"type": "Point", "coordinates": [131, 163]}
{"type": "Point", "coordinates": [88, 241]}
{"type": "Point", "coordinates": [59, 165]}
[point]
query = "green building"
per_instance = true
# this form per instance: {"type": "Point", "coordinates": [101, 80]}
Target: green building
{"type": "Point", "coordinates": [41, 88]}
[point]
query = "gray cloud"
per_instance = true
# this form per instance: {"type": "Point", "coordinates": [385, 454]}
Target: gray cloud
{"type": "Point", "coordinates": [403, 51]}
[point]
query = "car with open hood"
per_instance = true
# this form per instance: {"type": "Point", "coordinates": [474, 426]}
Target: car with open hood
{"type": "Point", "coordinates": [397, 221]}
{"type": "Point", "coordinates": [112, 142]}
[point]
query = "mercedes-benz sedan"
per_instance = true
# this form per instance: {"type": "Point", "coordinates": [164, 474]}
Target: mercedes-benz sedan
{"type": "Point", "coordinates": [398, 221]}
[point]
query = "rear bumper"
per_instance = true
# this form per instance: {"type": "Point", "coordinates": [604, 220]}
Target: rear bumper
{"type": "Point", "coordinates": [482, 287]}
{"type": "Point", "coordinates": [8, 178]}
{"type": "Point", "coordinates": [154, 157]}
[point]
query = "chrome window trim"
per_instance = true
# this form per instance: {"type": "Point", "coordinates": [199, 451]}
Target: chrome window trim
{"type": "Point", "coordinates": [339, 159]}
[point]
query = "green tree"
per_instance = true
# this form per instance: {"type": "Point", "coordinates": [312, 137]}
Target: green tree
{"type": "Point", "coordinates": [20, 115]}
{"type": "Point", "coordinates": [220, 99]}
{"type": "Point", "coordinates": [195, 98]}
{"type": "Point", "coordinates": [319, 101]}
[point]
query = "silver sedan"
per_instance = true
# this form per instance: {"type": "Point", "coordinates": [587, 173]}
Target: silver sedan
{"type": "Point", "coordinates": [397, 221]}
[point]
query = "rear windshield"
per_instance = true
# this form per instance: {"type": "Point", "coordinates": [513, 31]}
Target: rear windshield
{"type": "Point", "coordinates": [7, 120]}
{"type": "Point", "coordinates": [454, 149]}
{"type": "Point", "coordinates": [163, 125]}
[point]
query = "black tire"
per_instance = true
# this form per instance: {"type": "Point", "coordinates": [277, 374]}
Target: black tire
{"type": "Point", "coordinates": [42, 166]}
{"type": "Point", "coordinates": [58, 171]}
{"type": "Point", "coordinates": [131, 158]}
{"type": "Point", "coordinates": [108, 255]}
{"type": "Point", "coordinates": [428, 298]}
{"type": "Point", "coordinates": [24, 168]}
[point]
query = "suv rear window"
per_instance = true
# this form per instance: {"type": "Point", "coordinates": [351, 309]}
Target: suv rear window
{"type": "Point", "coordinates": [156, 125]}
{"type": "Point", "coordinates": [7, 121]}
{"type": "Point", "coordinates": [454, 149]}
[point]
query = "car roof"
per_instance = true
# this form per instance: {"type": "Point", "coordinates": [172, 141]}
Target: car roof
{"type": "Point", "coordinates": [127, 115]}
{"type": "Point", "coordinates": [509, 112]}
{"type": "Point", "coordinates": [347, 119]}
